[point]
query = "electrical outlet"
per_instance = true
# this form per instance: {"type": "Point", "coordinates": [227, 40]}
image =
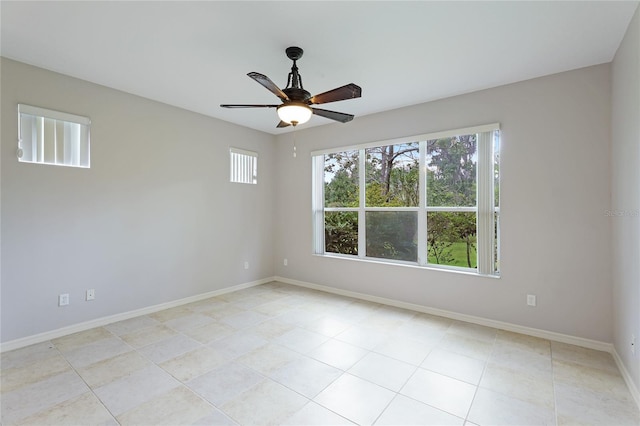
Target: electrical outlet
{"type": "Point", "coordinates": [286, 262]}
{"type": "Point", "coordinates": [91, 294]}
{"type": "Point", "coordinates": [531, 299]}
{"type": "Point", "coordinates": [63, 299]}
{"type": "Point", "coordinates": [246, 264]}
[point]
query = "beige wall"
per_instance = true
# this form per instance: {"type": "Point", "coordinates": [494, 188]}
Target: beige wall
{"type": "Point", "coordinates": [153, 220]}
{"type": "Point", "coordinates": [555, 190]}
{"type": "Point", "coordinates": [625, 197]}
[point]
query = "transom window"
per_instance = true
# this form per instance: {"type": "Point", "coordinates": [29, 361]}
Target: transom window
{"type": "Point", "coordinates": [243, 166]}
{"type": "Point", "coordinates": [429, 200]}
{"type": "Point", "coordinates": [52, 137]}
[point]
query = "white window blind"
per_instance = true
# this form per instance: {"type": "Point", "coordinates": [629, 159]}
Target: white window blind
{"type": "Point", "coordinates": [52, 137]}
{"type": "Point", "coordinates": [243, 166]}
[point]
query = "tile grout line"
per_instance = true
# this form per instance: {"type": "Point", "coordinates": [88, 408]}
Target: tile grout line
{"type": "Point", "coordinates": [362, 314]}
{"type": "Point", "coordinates": [484, 369]}
{"type": "Point", "coordinates": [82, 378]}
{"type": "Point", "coordinates": [553, 381]}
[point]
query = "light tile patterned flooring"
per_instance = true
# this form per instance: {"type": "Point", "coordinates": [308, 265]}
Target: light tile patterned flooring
{"type": "Point", "coordinates": [279, 354]}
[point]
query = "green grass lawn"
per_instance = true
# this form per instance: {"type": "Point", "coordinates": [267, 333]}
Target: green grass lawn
{"type": "Point", "coordinates": [459, 254]}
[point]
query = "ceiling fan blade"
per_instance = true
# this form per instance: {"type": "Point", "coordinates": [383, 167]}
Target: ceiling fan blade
{"type": "Point", "coordinates": [333, 115]}
{"type": "Point", "coordinates": [248, 106]}
{"type": "Point", "coordinates": [283, 124]}
{"type": "Point", "coordinates": [269, 85]}
{"type": "Point", "coordinates": [348, 91]}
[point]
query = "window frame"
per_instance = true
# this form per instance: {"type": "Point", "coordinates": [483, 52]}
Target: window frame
{"type": "Point", "coordinates": [242, 164]}
{"type": "Point", "coordinates": [83, 134]}
{"type": "Point", "coordinates": [487, 208]}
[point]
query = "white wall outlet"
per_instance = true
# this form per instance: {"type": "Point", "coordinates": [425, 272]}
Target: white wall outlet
{"type": "Point", "coordinates": [633, 344]}
{"type": "Point", "coordinates": [531, 299]}
{"type": "Point", "coordinates": [246, 264]}
{"type": "Point", "coordinates": [91, 294]}
{"type": "Point", "coordinates": [63, 299]}
{"type": "Point", "coordinates": [285, 262]}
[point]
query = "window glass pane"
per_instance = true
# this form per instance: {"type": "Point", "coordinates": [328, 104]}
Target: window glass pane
{"type": "Point", "coordinates": [341, 232]}
{"type": "Point", "coordinates": [341, 179]}
{"type": "Point", "coordinates": [392, 235]}
{"type": "Point", "coordinates": [451, 171]}
{"type": "Point", "coordinates": [392, 175]}
{"type": "Point", "coordinates": [451, 238]}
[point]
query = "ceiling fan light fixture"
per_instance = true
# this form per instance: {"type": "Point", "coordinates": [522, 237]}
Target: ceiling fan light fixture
{"type": "Point", "coordinates": [294, 113]}
{"type": "Point", "coordinates": [295, 108]}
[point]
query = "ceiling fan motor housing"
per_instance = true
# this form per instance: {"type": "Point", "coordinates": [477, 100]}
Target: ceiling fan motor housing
{"type": "Point", "coordinates": [297, 94]}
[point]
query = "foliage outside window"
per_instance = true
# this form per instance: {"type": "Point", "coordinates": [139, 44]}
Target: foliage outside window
{"type": "Point", "coordinates": [430, 200]}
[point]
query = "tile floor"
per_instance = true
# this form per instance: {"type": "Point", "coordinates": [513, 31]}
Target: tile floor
{"type": "Point", "coordinates": [279, 354]}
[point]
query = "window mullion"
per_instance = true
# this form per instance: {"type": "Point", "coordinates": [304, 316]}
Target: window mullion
{"type": "Point", "coordinates": [452, 209]}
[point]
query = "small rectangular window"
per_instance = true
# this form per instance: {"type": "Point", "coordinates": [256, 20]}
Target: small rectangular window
{"type": "Point", "coordinates": [52, 137]}
{"type": "Point", "coordinates": [243, 166]}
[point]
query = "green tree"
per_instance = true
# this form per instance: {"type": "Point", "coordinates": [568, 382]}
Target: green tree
{"type": "Point", "coordinates": [388, 166]}
{"type": "Point", "coordinates": [392, 175]}
{"type": "Point", "coordinates": [464, 229]}
{"type": "Point", "coordinates": [392, 235]}
{"type": "Point", "coordinates": [451, 182]}
{"type": "Point", "coordinates": [341, 232]}
{"type": "Point", "coordinates": [439, 239]}
{"type": "Point", "coordinates": [453, 171]}
{"type": "Point", "coordinates": [342, 190]}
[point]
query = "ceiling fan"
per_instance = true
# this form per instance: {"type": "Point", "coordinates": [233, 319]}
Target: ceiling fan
{"type": "Point", "coordinates": [296, 102]}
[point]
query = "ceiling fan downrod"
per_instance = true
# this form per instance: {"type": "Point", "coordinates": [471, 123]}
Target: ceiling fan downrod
{"type": "Point", "coordinates": [294, 90]}
{"type": "Point", "coordinates": [294, 81]}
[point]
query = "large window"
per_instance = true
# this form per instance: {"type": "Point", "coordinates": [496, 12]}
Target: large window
{"type": "Point", "coordinates": [52, 137]}
{"type": "Point", "coordinates": [430, 200]}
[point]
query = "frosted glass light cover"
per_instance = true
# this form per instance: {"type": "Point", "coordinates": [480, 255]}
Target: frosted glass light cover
{"type": "Point", "coordinates": [294, 112]}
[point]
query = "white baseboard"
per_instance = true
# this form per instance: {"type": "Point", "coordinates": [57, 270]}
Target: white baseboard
{"type": "Point", "coordinates": [535, 332]}
{"type": "Point", "coordinates": [627, 377]}
{"type": "Point", "coordinates": [550, 335]}
{"type": "Point", "coordinates": [99, 322]}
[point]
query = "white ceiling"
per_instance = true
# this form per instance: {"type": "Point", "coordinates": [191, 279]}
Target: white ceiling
{"type": "Point", "coordinates": [196, 55]}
